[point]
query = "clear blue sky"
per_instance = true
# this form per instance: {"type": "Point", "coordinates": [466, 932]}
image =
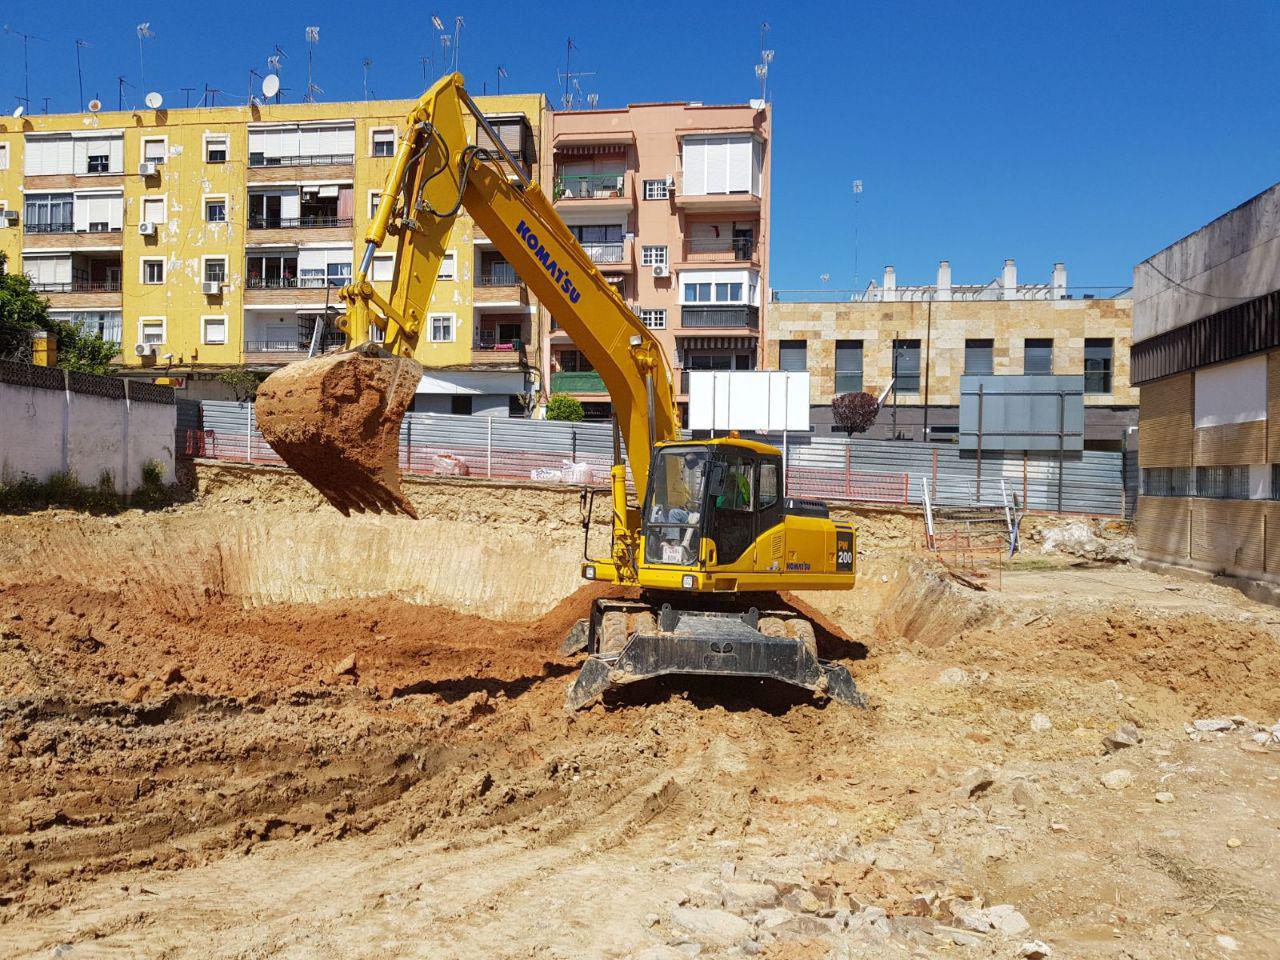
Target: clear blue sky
{"type": "Point", "coordinates": [1089, 132]}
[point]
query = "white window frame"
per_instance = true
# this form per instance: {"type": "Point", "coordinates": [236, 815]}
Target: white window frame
{"type": "Point", "coordinates": [373, 132]}
{"type": "Point", "coordinates": [163, 198]}
{"type": "Point", "coordinates": [142, 272]}
{"type": "Point", "coordinates": [164, 330]}
{"type": "Point", "coordinates": [373, 195]}
{"type": "Point", "coordinates": [204, 329]}
{"type": "Point", "coordinates": [226, 266]}
{"type": "Point", "coordinates": [666, 190]}
{"type": "Point", "coordinates": [164, 149]}
{"type": "Point", "coordinates": [647, 315]}
{"type": "Point", "coordinates": [450, 258]}
{"type": "Point", "coordinates": [226, 206]}
{"type": "Point", "coordinates": [382, 260]}
{"type": "Point", "coordinates": [224, 138]}
{"type": "Point", "coordinates": [650, 256]}
{"type": "Point", "coordinates": [453, 327]}
{"type": "Point", "coordinates": [4, 156]}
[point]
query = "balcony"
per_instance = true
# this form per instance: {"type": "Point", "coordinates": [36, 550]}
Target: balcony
{"type": "Point", "coordinates": [719, 317]}
{"type": "Point", "coordinates": [79, 286]}
{"type": "Point", "coordinates": [297, 223]}
{"type": "Point", "coordinates": [495, 352]}
{"type": "Point", "coordinates": [287, 349]}
{"type": "Point", "coordinates": [499, 287]}
{"type": "Point", "coordinates": [611, 252]}
{"type": "Point", "coordinates": [721, 250]}
{"type": "Point", "coordinates": [595, 191]}
{"type": "Point", "coordinates": [82, 294]}
{"type": "Point", "coordinates": [264, 291]}
{"type": "Point", "coordinates": [310, 160]}
{"type": "Point", "coordinates": [60, 235]}
{"type": "Point", "coordinates": [577, 382]}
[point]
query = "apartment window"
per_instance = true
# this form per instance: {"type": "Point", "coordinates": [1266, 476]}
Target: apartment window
{"type": "Point", "coordinates": [700, 292]}
{"type": "Point", "coordinates": [1166, 482]}
{"type": "Point", "coordinates": [4, 156]}
{"type": "Point", "coordinates": [722, 164]}
{"type": "Point", "coordinates": [1222, 483]}
{"type": "Point", "coordinates": [848, 366]}
{"type": "Point", "coordinates": [153, 270]}
{"type": "Point", "coordinates": [98, 163]}
{"type": "Point", "coordinates": [461, 404]}
{"type": "Point", "coordinates": [656, 190]}
{"type": "Point", "coordinates": [1037, 356]}
{"type": "Point", "coordinates": [978, 360]}
{"type": "Point", "coordinates": [442, 328]}
{"type": "Point", "coordinates": [215, 270]}
{"type": "Point", "coordinates": [375, 198]}
{"type": "Point", "coordinates": [384, 143]}
{"type": "Point", "coordinates": [151, 330]}
{"type": "Point", "coordinates": [215, 150]}
{"type": "Point", "coordinates": [906, 366]}
{"type": "Point", "coordinates": [384, 267]}
{"type": "Point", "coordinates": [48, 213]}
{"type": "Point", "coordinates": [270, 270]}
{"type": "Point", "coordinates": [654, 319]}
{"type": "Point", "coordinates": [448, 267]}
{"type": "Point", "coordinates": [1097, 365]}
{"type": "Point", "coordinates": [153, 209]}
{"type": "Point", "coordinates": [215, 330]}
{"type": "Point", "coordinates": [793, 355]}
{"type": "Point", "coordinates": [154, 150]}
{"type": "Point", "coordinates": [651, 256]}
{"type": "Point", "coordinates": [215, 209]}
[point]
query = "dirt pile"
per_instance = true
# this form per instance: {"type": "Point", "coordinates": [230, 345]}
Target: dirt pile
{"type": "Point", "coordinates": [335, 419]}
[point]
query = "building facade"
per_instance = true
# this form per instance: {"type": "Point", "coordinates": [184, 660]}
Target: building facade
{"type": "Point", "coordinates": [671, 201]}
{"type": "Point", "coordinates": [205, 239]}
{"type": "Point", "coordinates": [922, 339]}
{"type": "Point", "coordinates": [1206, 359]}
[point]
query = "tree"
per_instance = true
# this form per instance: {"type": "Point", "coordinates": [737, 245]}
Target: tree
{"type": "Point", "coordinates": [23, 311]}
{"type": "Point", "coordinates": [855, 412]}
{"type": "Point", "coordinates": [243, 381]}
{"type": "Point", "coordinates": [564, 407]}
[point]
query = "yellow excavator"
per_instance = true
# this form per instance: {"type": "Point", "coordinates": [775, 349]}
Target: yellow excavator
{"type": "Point", "coordinates": [713, 538]}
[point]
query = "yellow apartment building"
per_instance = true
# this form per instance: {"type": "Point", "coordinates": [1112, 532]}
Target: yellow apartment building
{"type": "Point", "coordinates": [208, 238]}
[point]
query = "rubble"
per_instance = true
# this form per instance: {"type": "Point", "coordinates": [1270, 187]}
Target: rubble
{"type": "Point", "coordinates": [1122, 737]}
{"type": "Point", "coordinates": [1118, 779]}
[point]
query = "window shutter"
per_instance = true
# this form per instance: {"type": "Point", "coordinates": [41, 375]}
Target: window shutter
{"type": "Point", "coordinates": [115, 212]}
{"type": "Point", "coordinates": [792, 355]}
{"type": "Point", "coordinates": [290, 205]}
{"type": "Point", "coordinates": [313, 142]}
{"type": "Point", "coordinates": [115, 149]}
{"type": "Point", "coordinates": [717, 165]}
{"type": "Point", "coordinates": [695, 166]}
{"type": "Point", "coordinates": [258, 141]}
{"type": "Point", "coordinates": [80, 214]}
{"type": "Point", "coordinates": [344, 141]}
{"type": "Point", "coordinates": [739, 160]}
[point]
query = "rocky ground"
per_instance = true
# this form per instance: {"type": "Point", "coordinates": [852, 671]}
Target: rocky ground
{"type": "Point", "coordinates": [229, 733]}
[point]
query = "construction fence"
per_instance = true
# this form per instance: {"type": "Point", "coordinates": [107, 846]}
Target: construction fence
{"type": "Point", "coordinates": [831, 468]}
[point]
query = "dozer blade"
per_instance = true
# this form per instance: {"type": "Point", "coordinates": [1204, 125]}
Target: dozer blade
{"type": "Point", "coordinates": [335, 419]}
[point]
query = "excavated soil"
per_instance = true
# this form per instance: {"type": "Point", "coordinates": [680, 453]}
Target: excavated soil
{"type": "Point", "coordinates": [250, 727]}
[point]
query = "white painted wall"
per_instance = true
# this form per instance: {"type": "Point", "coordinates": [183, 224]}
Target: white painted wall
{"type": "Point", "coordinates": [1232, 393]}
{"type": "Point", "coordinates": [45, 431]}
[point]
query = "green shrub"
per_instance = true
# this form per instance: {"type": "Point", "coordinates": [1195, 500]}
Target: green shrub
{"type": "Point", "coordinates": [564, 407]}
{"type": "Point", "coordinates": [151, 492]}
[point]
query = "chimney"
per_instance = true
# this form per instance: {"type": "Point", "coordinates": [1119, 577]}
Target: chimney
{"type": "Point", "coordinates": [890, 285]}
{"type": "Point", "coordinates": [1010, 280]}
{"type": "Point", "coordinates": [1059, 281]}
{"type": "Point", "coordinates": [944, 281]}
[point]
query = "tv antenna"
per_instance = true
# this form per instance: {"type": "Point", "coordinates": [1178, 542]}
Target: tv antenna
{"type": "Point", "coordinates": [766, 58]}
{"type": "Point", "coordinates": [273, 64]}
{"type": "Point", "coordinates": [457, 42]}
{"type": "Point", "coordinates": [313, 37]}
{"type": "Point", "coordinates": [79, 72]}
{"type": "Point", "coordinates": [188, 91]}
{"type": "Point", "coordinates": [857, 199]}
{"type": "Point", "coordinates": [569, 79]}
{"type": "Point", "coordinates": [426, 64]}
{"type": "Point", "coordinates": [120, 91]}
{"type": "Point", "coordinates": [366, 63]}
{"type": "Point", "coordinates": [26, 64]}
{"type": "Point", "coordinates": [593, 99]}
{"type": "Point", "coordinates": [210, 97]}
{"type": "Point", "coordinates": [502, 73]}
{"type": "Point", "coordinates": [144, 33]}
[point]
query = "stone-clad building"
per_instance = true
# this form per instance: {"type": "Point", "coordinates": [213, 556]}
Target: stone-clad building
{"type": "Point", "coordinates": [929, 336]}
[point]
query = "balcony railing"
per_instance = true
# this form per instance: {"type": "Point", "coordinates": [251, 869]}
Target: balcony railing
{"type": "Point", "coordinates": [577, 382]}
{"type": "Point", "coordinates": [296, 344]}
{"type": "Point", "coordinates": [498, 277]}
{"type": "Point", "coordinates": [68, 228]}
{"type": "Point", "coordinates": [604, 252]}
{"type": "Point", "coordinates": [79, 286]}
{"type": "Point", "coordinates": [732, 248]}
{"type": "Point", "coordinates": [311, 160]}
{"type": "Point", "coordinates": [720, 316]}
{"type": "Point", "coordinates": [589, 186]}
{"type": "Point", "coordinates": [498, 346]}
{"type": "Point", "coordinates": [295, 283]}
{"type": "Point", "coordinates": [293, 223]}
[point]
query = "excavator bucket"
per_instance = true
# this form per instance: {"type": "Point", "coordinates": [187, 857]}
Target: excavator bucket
{"type": "Point", "coordinates": [335, 419]}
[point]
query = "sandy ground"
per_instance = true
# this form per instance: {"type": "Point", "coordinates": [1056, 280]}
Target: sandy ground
{"type": "Point", "coordinates": [247, 727]}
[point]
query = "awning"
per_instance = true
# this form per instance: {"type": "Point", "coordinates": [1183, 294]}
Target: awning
{"type": "Point", "coordinates": [695, 342]}
{"type": "Point", "coordinates": [590, 149]}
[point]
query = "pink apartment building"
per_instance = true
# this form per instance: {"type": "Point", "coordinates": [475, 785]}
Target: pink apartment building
{"type": "Point", "coordinates": [671, 200]}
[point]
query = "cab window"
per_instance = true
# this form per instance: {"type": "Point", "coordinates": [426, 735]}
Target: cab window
{"type": "Point", "coordinates": [768, 485]}
{"type": "Point", "coordinates": [737, 494]}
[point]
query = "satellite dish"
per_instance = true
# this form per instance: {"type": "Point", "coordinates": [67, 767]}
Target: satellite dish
{"type": "Point", "coordinates": [270, 85]}
{"type": "Point", "coordinates": [154, 100]}
{"type": "Point", "coordinates": [19, 110]}
{"type": "Point", "coordinates": [95, 106]}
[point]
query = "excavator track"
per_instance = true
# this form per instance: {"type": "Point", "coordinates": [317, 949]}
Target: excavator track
{"type": "Point", "coordinates": [627, 641]}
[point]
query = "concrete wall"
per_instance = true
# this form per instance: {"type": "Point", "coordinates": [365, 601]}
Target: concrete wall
{"type": "Point", "coordinates": [43, 432]}
{"type": "Point", "coordinates": [1234, 258]}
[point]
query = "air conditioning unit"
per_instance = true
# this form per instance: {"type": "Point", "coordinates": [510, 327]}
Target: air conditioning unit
{"type": "Point", "coordinates": [661, 270]}
{"type": "Point", "coordinates": [9, 216]}
{"type": "Point", "coordinates": [146, 229]}
{"type": "Point", "coordinates": [145, 350]}
{"type": "Point", "coordinates": [212, 288]}
{"type": "Point", "coordinates": [147, 168]}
